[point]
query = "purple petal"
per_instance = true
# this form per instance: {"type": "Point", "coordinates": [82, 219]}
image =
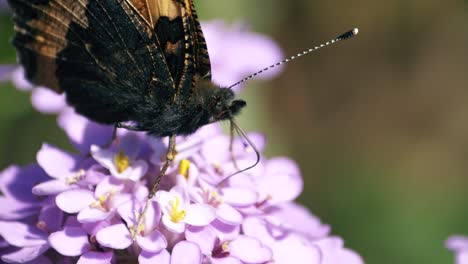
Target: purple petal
{"type": "Point", "coordinates": [294, 250]}
{"type": "Point", "coordinates": [82, 132]}
{"type": "Point", "coordinates": [19, 80]}
{"type": "Point", "coordinates": [71, 241]}
{"type": "Point", "coordinates": [457, 243]}
{"type": "Point", "coordinates": [186, 252]}
{"type": "Point", "coordinates": [50, 187]}
{"type": "Point", "coordinates": [14, 210]}
{"type": "Point", "coordinates": [56, 162]}
{"type": "Point", "coordinates": [227, 260]}
{"type": "Point", "coordinates": [25, 254]}
{"type": "Point", "coordinates": [47, 101]}
{"type": "Point", "coordinates": [227, 214]}
{"type": "Point", "coordinates": [21, 235]}
{"type": "Point", "coordinates": [154, 242]}
{"type": "Point", "coordinates": [52, 217]}
{"type": "Point", "coordinates": [225, 231]}
{"type": "Point", "coordinates": [162, 257]}
{"type": "Point", "coordinates": [74, 201]}
{"type": "Point", "coordinates": [204, 237]}
{"type": "Point", "coordinates": [90, 215]}
{"type": "Point", "coordinates": [257, 227]}
{"type": "Point", "coordinates": [216, 150]}
{"type": "Point", "coordinates": [462, 258]}
{"type": "Point", "coordinates": [199, 214]}
{"type": "Point", "coordinates": [131, 145]}
{"type": "Point", "coordinates": [239, 196]}
{"type": "Point", "coordinates": [250, 250]}
{"type": "Point", "coordinates": [138, 170]}
{"type": "Point", "coordinates": [298, 218]}
{"type": "Point", "coordinates": [177, 228]}
{"type": "Point", "coordinates": [281, 182]}
{"type": "Point", "coordinates": [92, 257]}
{"type": "Point", "coordinates": [115, 236]}
{"type": "Point", "coordinates": [351, 257]}
{"type": "Point", "coordinates": [333, 252]}
{"type": "Point", "coordinates": [16, 183]}
{"type": "Point", "coordinates": [6, 70]}
{"type": "Point", "coordinates": [226, 68]}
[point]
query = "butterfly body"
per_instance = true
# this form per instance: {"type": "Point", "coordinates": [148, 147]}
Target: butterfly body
{"type": "Point", "coordinates": [143, 61]}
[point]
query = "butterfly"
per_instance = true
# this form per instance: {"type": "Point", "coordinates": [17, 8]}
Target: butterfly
{"type": "Point", "coordinates": [143, 61]}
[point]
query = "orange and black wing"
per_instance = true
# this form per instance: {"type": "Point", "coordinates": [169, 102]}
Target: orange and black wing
{"type": "Point", "coordinates": [102, 53]}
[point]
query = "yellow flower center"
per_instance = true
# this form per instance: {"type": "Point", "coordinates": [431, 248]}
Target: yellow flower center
{"type": "Point", "coordinates": [176, 214]}
{"type": "Point", "coordinates": [184, 167]}
{"type": "Point", "coordinates": [121, 161]}
{"type": "Point", "coordinates": [225, 246]}
{"type": "Point", "coordinates": [77, 177]}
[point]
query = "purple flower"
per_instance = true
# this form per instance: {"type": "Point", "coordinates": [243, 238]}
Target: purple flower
{"type": "Point", "coordinates": [248, 53]}
{"type": "Point", "coordinates": [86, 208]}
{"type": "Point", "coordinates": [459, 244]}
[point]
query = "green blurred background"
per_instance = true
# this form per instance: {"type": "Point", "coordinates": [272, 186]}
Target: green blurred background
{"type": "Point", "coordinates": [378, 124]}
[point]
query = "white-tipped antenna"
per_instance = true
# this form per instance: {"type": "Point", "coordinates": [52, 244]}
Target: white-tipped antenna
{"type": "Point", "coordinates": [343, 36]}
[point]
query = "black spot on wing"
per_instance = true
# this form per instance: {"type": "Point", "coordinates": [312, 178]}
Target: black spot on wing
{"type": "Point", "coordinates": [170, 33]}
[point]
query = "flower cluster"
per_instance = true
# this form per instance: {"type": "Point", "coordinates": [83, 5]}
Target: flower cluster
{"type": "Point", "coordinates": [84, 207]}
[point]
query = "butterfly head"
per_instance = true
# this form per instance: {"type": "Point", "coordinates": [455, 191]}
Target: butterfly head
{"type": "Point", "coordinates": [222, 105]}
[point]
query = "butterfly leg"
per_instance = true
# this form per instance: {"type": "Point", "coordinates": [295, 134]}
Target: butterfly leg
{"type": "Point", "coordinates": [170, 155]}
{"type": "Point", "coordinates": [231, 147]}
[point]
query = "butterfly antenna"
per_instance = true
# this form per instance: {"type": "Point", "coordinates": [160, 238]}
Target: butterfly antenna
{"type": "Point", "coordinates": [252, 145]}
{"type": "Point", "coordinates": [346, 35]}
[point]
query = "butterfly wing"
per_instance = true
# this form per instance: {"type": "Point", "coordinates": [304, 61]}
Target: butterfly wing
{"type": "Point", "coordinates": [100, 52]}
{"type": "Point", "coordinates": [197, 61]}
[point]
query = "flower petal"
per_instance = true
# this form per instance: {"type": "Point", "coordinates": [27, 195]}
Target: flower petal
{"type": "Point", "coordinates": [74, 201]}
{"type": "Point", "coordinates": [162, 257]}
{"type": "Point", "coordinates": [281, 182]}
{"type": "Point", "coordinates": [92, 257]}
{"type": "Point", "coordinates": [115, 236]}
{"type": "Point", "coordinates": [105, 157]}
{"type": "Point", "coordinates": [82, 132]}
{"type": "Point", "coordinates": [52, 217]}
{"type": "Point", "coordinates": [239, 196]}
{"type": "Point", "coordinates": [71, 241]}
{"type": "Point", "coordinates": [90, 215]}
{"type": "Point", "coordinates": [199, 214]}
{"type": "Point", "coordinates": [130, 144]}
{"type": "Point", "coordinates": [47, 101]}
{"type": "Point", "coordinates": [48, 156]}
{"type": "Point", "coordinates": [177, 228]}
{"type": "Point", "coordinates": [226, 260]}
{"type": "Point", "coordinates": [50, 187]}
{"type": "Point", "coordinates": [138, 170]}
{"type": "Point", "coordinates": [250, 250]}
{"type": "Point", "coordinates": [225, 231]}
{"type": "Point", "coordinates": [186, 252]}
{"type": "Point", "coordinates": [21, 235]}
{"type": "Point", "coordinates": [26, 254]}
{"type": "Point", "coordinates": [457, 243]}
{"type": "Point", "coordinates": [293, 250]}
{"type": "Point", "coordinates": [204, 237]}
{"type": "Point", "coordinates": [154, 242]}
{"type": "Point", "coordinates": [227, 214]}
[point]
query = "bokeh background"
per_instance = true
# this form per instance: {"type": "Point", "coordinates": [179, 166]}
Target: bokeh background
{"type": "Point", "coordinates": [378, 124]}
